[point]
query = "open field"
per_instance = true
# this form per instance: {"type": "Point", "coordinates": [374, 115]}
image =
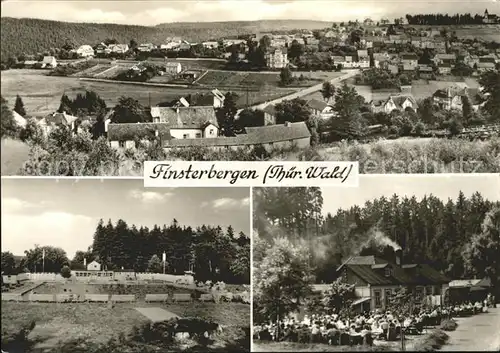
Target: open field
{"type": "Point", "coordinates": [41, 94]}
{"type": "Point", "coordinates": [97, 323]}
{"type": "Point", "coordinates": [13, 153]}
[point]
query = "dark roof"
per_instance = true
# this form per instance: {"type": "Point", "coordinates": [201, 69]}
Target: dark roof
{"type": "Point", "coordinates": [409, 56]}
{"type": "Point", "coordinates": [420, 274]}
{"type": "Point", "coordinates": [130, 132]}
{"type": "Point", "coordinates": [317, 104]}
{"type": "Point", "coordinates": [254, 136]}
{"type": "Point", "coordinates": [185, 117]}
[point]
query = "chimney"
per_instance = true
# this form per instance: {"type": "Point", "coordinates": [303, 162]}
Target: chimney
{"type": "Point", "coordinates": [399, 257]}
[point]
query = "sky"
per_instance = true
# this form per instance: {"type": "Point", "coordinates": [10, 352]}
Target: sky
{"type": "Point", "coordinates": [65, 213]}
{"type": "Point", "coordinates": [441, 186]}
{"type": "Point", "coordinates": [150, 12]}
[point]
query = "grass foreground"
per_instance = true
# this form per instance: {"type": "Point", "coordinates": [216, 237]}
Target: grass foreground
{"type": "Point", "coordinates": [65, 327]}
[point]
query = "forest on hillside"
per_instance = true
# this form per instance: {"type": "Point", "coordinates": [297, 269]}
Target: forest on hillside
{"type": "Point", "coordinates": [457, 237]}
{"type": "Point", "coordinates": [209, 251]}
{"type": "Point", "coordinates": [33, 36]}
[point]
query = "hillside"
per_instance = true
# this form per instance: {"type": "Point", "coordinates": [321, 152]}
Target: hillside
{"type": "Point", "coordinates": [31, 36]}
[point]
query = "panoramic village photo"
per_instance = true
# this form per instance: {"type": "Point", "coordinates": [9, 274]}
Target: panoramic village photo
{"type": "Point", "coordinates": [402, 263]}
{"type": "Point", "coordinates": [107, 266]}
{"type": "Point", "coordinates": [96, 88]}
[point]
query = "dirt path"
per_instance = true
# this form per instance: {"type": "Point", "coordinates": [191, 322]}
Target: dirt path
{"type": "Point", "coordinates": [156, 314]}
{"type": "Point", "coordinates": [477, 333]}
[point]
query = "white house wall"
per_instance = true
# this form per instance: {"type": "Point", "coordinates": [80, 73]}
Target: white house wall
{"type": "Point", "coordinates": [191, 133]}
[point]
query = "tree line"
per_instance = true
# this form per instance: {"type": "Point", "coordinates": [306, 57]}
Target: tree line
{"type": "Point", "coordinates": [438, 19]}
{"type": "Point", "coordinates": [209, 251]}
{"type": "Point", "coordinates": [29, 36]}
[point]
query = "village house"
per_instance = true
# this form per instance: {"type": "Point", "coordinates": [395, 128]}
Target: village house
{"type": "Point", "coordinates": [49, 62]}
{"type": "Point", "coordinates": [363, 59]}
{"type": "Point", "coordinates": [54, 120]}
{"type": "Point", "coordinates": [214, 99]}
{"type": "Point", "coordinates": [102, 48]}
{"type": "Point", "coordinates": [119, 48]}
{"type": "Point", "coordinates": [127, 136]}
{"type": "Point", "coordinates": [445, 58]}
{"type": "Point", "coordinates": [269, 114]}
{"type": "Point", "coordinates": [490, 19]}
{"type": "Point", "coordinates": [269, 137]}
{"type": "Point", "coordinates": [210, 45]}
{"type": "Point", "coordinates": [85, 51]}
{"type": "Point", "coordinates": [425, 72]}
{"type": "Point", "coordinates": [173, 68]}
{"type": "Point", "coordinates": [320, 108]}
{"type": "Point", "coordinates": [376, 280]}
{"type": "Point", "coordinates": [276, 58]}
{"type": "Point", "coordinates": [30, 64]}
{"type": "Point", "coordinates": [400, 102]}
{"type": "Point", "coordinates": [473, 290]}
{"type": "Point", "coordinates": [184, 46]}
{"type": "Point", "coordinates": [368, 22]}
{"type": "Point", "coordinates": [94, 266]}
{"type": "Point", "coordinates": [444, 69]}
{"type": "Point", "coordinates": [188, 122]}
{"type": "Point", "coordinates": [451, 98]}
{"type": "Point", "coordinates": [278, 42]}
{"type": "Point", "coordinates": [409, 60]}
{"type": "Point", "coordinates": [171, 45]}
{"type": "Point", "coordinates": [145, 47]}
{"type": "Point", "coordinates": [484, 67]}
{"type": "Point", "coordinates": [19, 119]}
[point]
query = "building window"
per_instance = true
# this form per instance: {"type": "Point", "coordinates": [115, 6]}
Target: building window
{"type": "Point", "coordinates": [387, 272]}
{"type": "Point", "coordinates": [185, 136]}
{"type": "Point", "coordinates": [378, 298]}
{"type": "Point", "coordinates": [428, 290]}
{"type": "Point", "coordinates": [388, 293]}
{"type": "Point", "coordinates": [211, 131]}
{"type": "Point", "coordinates": [121, 144]}
{"type": "Point", "coordinates": [419, 294]}
{"type": "Point", "coordinates": [437, 290]}
{"type": "Point", "coordinates": [198, 135]}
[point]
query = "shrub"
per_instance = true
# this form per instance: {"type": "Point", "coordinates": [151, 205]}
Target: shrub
{"type": "Point", "coordinates": [448, 325]}
{"type": "Point", "coordinates": [66, 272]}
{"type": "Point", "coordinates": [432, 342]}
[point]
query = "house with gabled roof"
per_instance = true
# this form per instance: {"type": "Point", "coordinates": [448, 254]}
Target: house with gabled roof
{"type": "Point", "coordinates": [400, 102]}
{"type": "Point", "coordinates": [451, 98]}
{"type": "Point", "coordinates": [376, 279]}
{"type": "Point", "coordinates": [320, 108]}
{"type": "Point", "coordinates": [269, 137]}
{"type": "Point", "coordinates": [188, 122]}
{"type": "Point", "coordinates": [146, 47]}
{"type": "Point", "coordinates": [127, 135]}
{"type": "Point", "coordinates": [54, 120]}
{"type": "Point", "coordinates": [19, 119]}
{"type": "Point", "coordinates": [269, 114]}
{"type": "Point", "coordinates": [173, 67]}
{"type": "Point", "coordinates": [85, 51]}
{"type": "Point", "coordinates": [49, 62]}
{"type": "Point", "coordinates": [276, 58]}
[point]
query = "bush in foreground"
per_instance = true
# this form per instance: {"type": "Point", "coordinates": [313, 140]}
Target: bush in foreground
{"type": "Point", "coordinates": [448, 325]}
{"type": "Point", "coordinates": [433, 341]}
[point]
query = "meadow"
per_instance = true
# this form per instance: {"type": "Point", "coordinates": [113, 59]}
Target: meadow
{"type": "Point", "coordinates": [13, 153]}
{"type": "Point", "coordinates": [41, 94]}
{"type": "Point", "coordinates": [56, 325]}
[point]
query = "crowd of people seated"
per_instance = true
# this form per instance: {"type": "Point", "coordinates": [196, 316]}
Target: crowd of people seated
{"type": "Point", "coordinates": [364, 328]}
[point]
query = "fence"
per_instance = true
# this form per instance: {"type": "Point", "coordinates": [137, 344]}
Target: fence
{"type": "Point", "coordinates": [156, 298]}
{"type": "Point", "coordinates": [123, 298]}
